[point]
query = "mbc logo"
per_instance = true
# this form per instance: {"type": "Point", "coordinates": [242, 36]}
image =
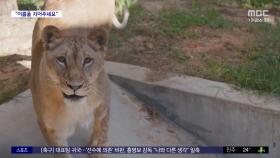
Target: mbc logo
{"type": "Point", "coordinates": [257, 13]}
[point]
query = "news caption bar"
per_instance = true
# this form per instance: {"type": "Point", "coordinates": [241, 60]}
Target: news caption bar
{"type": "Point", "coordinates": [141, 150]}
{"type": "Point", "coordinates": [36, 14]}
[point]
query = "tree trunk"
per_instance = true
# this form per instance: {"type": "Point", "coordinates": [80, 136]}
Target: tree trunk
{"type": "Point", "coordinates": [6, 6]}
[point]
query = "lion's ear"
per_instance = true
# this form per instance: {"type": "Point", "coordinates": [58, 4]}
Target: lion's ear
{"type": "Point", "coordinates": [99, 38]}
{"type": "Point", "coordinates": [51, 35]}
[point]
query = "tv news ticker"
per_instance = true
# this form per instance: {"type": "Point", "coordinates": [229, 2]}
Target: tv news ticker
{"type": "Point", "coordinates": [140, 150]}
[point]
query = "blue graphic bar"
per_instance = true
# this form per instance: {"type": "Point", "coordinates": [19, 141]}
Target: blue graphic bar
{"type": "Point", "coordinates": [22, 149]}
{"type": "Point", "coordinates": [138, 150]}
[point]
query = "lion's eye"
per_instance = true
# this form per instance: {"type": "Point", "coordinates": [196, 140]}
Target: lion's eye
{"type": "Point", "coordinates": [61, 59]}
{"type": "Point", "coordinates": [88, 60]}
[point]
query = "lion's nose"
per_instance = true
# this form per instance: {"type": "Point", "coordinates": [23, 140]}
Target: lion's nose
{"type": "Point", "coordinates": [74, 87]}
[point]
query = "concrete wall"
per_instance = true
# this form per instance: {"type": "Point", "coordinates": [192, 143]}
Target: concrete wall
{"type": "Point", "coordinates": [213, 111]}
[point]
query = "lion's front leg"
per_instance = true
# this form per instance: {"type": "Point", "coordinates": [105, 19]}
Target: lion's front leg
{"type": "Point", "coordinates": [54, 138]}
{"type": "Point", "coordinates": [100, 128]}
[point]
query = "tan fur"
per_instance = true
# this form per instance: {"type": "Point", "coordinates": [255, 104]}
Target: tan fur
{"type": "Point", "coordinates": [76, 14]}
{"type": "Point", "coordinates": [78, 37]}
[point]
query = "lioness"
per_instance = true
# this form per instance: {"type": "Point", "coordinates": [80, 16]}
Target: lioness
{"type": "Point", "coordinates": [68, 82]}
{"type": "Point", "coordinates": [69, 85]}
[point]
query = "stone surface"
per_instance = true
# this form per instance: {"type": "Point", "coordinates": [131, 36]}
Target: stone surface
{"type": "Point", "coordinates": [212, 111]}
{"type": "Point", "coordinates": [129, 125]}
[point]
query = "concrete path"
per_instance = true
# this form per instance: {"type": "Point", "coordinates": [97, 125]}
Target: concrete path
{"type": "Point", "coordinates": [130, 124]}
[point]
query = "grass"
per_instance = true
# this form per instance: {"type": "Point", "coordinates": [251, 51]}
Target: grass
{"type": "Point", "coordinates": [167, 23]}
{"type": "Point", "coordinates": [121, 5]}
{"type": "Point", "coordinates": [21, 84]}
{"type": "Point", "coordinates": [176, 21]}
{"type": "Point", "coordinates": [177, 55]}
{"type": "Point", "coordinates": [261, 71]}
{"type": "Point", "coordinates": [29, 4]}
{"type": "Point", "coordinates": [172, 22]}
{"type": "Point", "coordinates": [253, 3]}
{"type": "Point", "coordinates": [6, 96]}
{"type": "Point", "coordinates": [137, 15]}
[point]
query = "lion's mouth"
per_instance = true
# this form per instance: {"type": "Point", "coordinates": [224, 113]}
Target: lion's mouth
{"type": "Point", "coordinates": [72, 97]}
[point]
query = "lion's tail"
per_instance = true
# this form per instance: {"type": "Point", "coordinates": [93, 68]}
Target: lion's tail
{"type": "Point", "coordinates": [122, 25]}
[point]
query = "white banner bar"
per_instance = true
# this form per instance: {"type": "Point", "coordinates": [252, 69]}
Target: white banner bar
{"type": "Point", "coordinates": [36, 14]}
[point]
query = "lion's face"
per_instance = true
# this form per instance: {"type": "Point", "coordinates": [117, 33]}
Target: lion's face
{"type": "Point", "coordinates": [74, 63]}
